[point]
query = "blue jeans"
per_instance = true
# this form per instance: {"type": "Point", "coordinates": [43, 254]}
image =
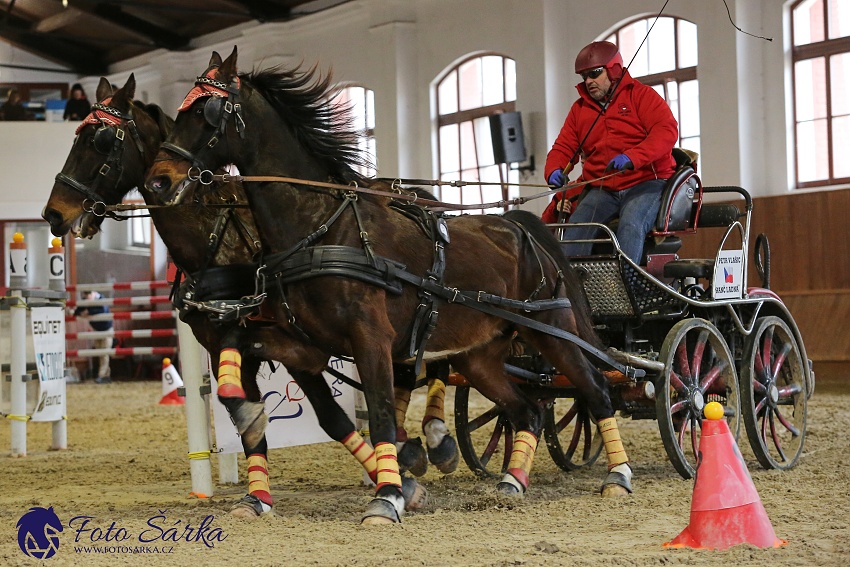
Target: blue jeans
{"type": "Point", "coordinates": [637, 208]}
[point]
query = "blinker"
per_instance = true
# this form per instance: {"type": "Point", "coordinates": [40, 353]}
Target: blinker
{"type": "Point", "coordinates": [212, 110]}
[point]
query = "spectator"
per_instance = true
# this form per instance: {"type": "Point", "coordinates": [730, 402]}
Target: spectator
{"type": "Point", "coordinates": [78, 106]}
{"type": "Point", "coordinates": [103, 370]}
{"type": "Point", "coordinates": [12, 109]}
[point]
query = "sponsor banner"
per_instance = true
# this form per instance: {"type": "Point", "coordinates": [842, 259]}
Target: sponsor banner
{"type": "Point", "coordinates": [48, 340]}
{"type": "Point", "coordinates": [292, 420]}
{"type": "Point", "coordinates": [729, 275]}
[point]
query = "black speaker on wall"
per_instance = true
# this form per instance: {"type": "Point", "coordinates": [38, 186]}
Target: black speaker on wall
{"type": "Point", "coordinates": [508, 142]}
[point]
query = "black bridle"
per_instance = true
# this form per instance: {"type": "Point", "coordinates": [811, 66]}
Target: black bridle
{"type": "Point", "coordinates": [218, 111]}
{"type": "Point", "coordinates": [108, 141]}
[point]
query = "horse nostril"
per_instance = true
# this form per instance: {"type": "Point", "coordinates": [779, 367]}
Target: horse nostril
{"type": "Point", "coordinates": [159, 183]}
{"type": "Point", "coordinates": [52, 216]}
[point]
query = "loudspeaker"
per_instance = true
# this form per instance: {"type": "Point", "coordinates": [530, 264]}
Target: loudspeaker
{"type": "Point", "coordinates": [508, 142]}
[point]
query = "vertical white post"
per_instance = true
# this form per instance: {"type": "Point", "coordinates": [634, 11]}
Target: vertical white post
{"type": "Point", "coordinates": [60, 435]}
{"type": "Point", "coordinates": [197, 419]}
{"type": "Point", "coordinates": [228, 468]}
{"type": "Point", "coordinates": [17, 369]}
{"type": "Point", "coordinates": [56, 282]}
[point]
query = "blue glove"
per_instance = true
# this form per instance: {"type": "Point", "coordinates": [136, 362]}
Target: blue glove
{"type": "Point", "coordinates": [620, 163]}
{"type": "Point", "coordinates": [557, 178]}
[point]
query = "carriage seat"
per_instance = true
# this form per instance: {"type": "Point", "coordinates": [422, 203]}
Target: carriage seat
{"type": "Point", "coordinates": [711, 215]}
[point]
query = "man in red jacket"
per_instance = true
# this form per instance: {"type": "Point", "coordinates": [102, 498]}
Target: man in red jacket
{"type": "Point", "coordinates": [617, 125]}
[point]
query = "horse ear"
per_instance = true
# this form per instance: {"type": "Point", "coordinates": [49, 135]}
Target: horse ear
{"type": "Point", "coordinates": [129, 87]}
{"type": "Point", "coordinates": [104, 89]}
{"type": "Point", "coordinates": [228, 67]}
{"type": "Point", "coordinates": [215, 60]}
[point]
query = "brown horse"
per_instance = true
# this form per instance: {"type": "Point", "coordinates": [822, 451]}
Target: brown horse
{"type": "Point", "coordinates": [103, 166]}
{"type": "Point", "coordinates": [339, 264]}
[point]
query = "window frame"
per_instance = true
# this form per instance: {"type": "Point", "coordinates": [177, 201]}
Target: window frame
{"type": "Point", "coordinates": [825, 49]}
{"type": "Point", "coordinates": [366, 134]}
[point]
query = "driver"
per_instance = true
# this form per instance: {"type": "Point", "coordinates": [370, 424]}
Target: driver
{"type": "Point", "coordinates": [617, 125]}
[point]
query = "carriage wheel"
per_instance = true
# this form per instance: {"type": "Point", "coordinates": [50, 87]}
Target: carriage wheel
{"type": "Point", "coordinates": [572, 436]}
{"type": "Point", "coordinates": [698, 368]}
{"type": "Point", "coordinates": [773, 394]}
{"type": "Point", "coordinates": [486, 438]}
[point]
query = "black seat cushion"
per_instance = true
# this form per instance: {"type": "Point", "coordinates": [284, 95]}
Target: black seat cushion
{"type": "Point", "coordinates": [689, 269]}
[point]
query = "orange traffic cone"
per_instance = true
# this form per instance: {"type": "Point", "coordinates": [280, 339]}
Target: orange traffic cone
{"type": "Point", "coordinates": [725, 508]}
{"type": "Point", "coordinates": [170, 382]}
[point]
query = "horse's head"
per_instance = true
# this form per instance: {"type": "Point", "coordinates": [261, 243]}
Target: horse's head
{"type": "Point", "coordinates": [208, 122]}
{"type": "Point", "coordinates": [112, 150]}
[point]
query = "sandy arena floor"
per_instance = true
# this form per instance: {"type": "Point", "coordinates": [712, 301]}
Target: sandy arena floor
{"type": "Point", "coordinates": [126, 467]}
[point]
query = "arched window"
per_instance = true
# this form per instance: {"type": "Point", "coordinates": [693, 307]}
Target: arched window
{"type": "Point", "coordinates": [468, 94]}
{"type": "Point", "coordinates": [361, 101]}
{"type": "Point", "coordinates": [821, 74]}
{"type": "Point", "coordinates": [668, 63]}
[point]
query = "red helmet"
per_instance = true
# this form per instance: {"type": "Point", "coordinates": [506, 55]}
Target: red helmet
{"type": "Point", "coordinates": [601, 54]}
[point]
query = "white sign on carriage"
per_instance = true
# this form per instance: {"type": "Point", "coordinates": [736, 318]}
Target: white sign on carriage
{"type": "Point", "coordinates": [729, 275]}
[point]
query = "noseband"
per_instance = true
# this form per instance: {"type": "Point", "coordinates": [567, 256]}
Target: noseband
{"type": "Point", "coordinates": [108, 141]}
{"type": "Point", "coordinates": [221, 106]}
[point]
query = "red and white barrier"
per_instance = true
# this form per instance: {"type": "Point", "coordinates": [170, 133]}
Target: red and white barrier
{"type": "Point", "coordinates": [119, 286]}
{"type": "Point", "coordinates": [128, 334]}
{"type": "Point", "coordinates": [127, 316]}
{"type": "Point", "coordinates": [113, 301]}
{"type": "Point", "coordinates": [120, 351]}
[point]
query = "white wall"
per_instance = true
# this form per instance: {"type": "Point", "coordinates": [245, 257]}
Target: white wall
{"type": "Point", "coordinates": [399, 47]}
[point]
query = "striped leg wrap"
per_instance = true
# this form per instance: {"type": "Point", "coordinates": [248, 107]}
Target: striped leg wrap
{"type": "Point", "coordinates": [363, 452]}
{"type": "Point", "coordinates": [230, 374]}
{"type": "Point", "coordinates": [258, 478]}
{"type": "Point", "coordinates": [436, 400]}
{"type": "Point", "coordinates": [387, 462]}
{"type": "Point", "coordinates": [613, 445]}
{"type": "Point", "coordinates": [402, 400]}
{"type": "Point", "coordinates": [522, 455]}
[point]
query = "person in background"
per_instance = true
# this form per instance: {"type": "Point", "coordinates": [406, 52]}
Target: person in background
{"type": "Point", "coordinates": [78, 106]}
{"type": "Point", "coordinates": [618, 125]}
{"type": "Point", "coordinates": [103, 369]}
{"type": "Point", "coordinates": [12, 109]}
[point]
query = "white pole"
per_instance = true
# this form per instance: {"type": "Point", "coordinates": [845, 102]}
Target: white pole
{"type": "Point", "coordinates": [60, 434]}
{"type": "Point", "coordinates": [17, 369]}
{"type": "Point", "coordinates": [56, 282]}
{"type": "Point", "coordinates": [197, 419]}
{"type": "Point", "coordinates": [228, 468]}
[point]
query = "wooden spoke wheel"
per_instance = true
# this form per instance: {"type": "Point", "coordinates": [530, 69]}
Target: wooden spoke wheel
{"type": "Point", "coordinates": [572, 437]}
{"type": "Point", "coordinates": [484, 434]}
{"type": "Point", "coordinates": [773, 394]}
{"type": "Point", "coordinates": [698, 368]}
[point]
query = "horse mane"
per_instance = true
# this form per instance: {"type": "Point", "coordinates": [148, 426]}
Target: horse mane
{"type": "Point", "coordinates": [165, 122]}
{"type": "Point", "coordinates": [575, 290]}
{"type": "Point", "coordinates": [303, 99]}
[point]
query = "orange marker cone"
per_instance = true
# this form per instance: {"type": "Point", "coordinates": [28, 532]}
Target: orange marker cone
{"type": "Point", "coordinates": [170, 382]}
{"type": "Point", "coordinates": [725, 508]}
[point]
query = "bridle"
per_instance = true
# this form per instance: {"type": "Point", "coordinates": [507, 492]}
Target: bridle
{"type": "Point", "coordinates": [223, 104]}
{"type": "Point", "coordinates": [109, 141]}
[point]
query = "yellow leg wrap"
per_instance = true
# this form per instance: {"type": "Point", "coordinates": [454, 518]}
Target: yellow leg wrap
{"type": "Point", "coordinates": [387, 461]}
{"type": "Point", "coordinates": [402, 400]}
{"type": "Point", "coordinates": [230, 367]}
{"type": "Point", "coordinates": [436, 400]}
{"type": "Point", "coordinates": [613, 445]}
{"type": "Point", "coordinates": [522, 455]}
{"type": "Point", "coordinates": [363, 452]}
{"type": "Point", "coordinates": [258, 478]}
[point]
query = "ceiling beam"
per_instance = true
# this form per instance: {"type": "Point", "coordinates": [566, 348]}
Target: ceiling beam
{"type": "Point", "coordinates": [160, 37]}
{"type": "Point", "coordinates": [175, 8]}
{"type": "Point", "coordinates": [265, 10]}
{"type": "Point", "coordinates": [59, 20]}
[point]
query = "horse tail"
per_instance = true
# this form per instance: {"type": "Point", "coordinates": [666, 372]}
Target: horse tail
{"type": "Point", "coordinates": [574, 288]}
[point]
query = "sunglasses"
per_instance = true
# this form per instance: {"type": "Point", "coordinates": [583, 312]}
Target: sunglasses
{"type": "Point", "coordinates": [592, 74]}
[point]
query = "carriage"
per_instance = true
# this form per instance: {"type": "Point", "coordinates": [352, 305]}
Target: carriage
{"type": "Point", "coordinates": [691, 324]}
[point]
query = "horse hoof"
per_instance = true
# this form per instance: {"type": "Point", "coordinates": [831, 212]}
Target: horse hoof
{"type": "Point", "coordinates": [380, 511]}
{"type": "Point", "coordinates": [412, 457]}
{"type": "Point", "coordinates": [445, 456]}
{"type": "Point", "coordinates": [616, 485]}
{"type": "Point", "coordinates": [249, 508]}
{"type": "Point", "coordinates": [415, 495]}
{"type": "Point", "coordinates": [251, 421]}
{"type": "Point", "coordinates": [508, 489]}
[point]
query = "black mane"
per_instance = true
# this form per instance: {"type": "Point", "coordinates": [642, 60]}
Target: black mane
{"type": "Point", "coordinates": [302, 98]}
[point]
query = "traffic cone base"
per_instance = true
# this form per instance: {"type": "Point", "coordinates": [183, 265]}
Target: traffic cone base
{"type": "Point", "coordinates": [725, 508]}
{"type": "Point", "coordinates": [172, 398]}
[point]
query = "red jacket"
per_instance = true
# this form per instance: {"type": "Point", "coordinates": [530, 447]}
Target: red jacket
{"type": "Point", "coordinates": [637, 123]}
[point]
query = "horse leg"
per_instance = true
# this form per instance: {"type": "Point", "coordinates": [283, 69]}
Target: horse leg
{"type": "Point", "coordinates": [485, 370]}
{"type": "Point", "coordinates": [591, 384]}
{"type": "Point", "coordinates": [411, 454]}
{"type": "Point", "coordinates": [442, 448]}
{"type": "Point", "coordinates": [248, 416]}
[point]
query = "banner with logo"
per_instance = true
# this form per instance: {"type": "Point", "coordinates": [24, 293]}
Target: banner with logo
{"type": "Point", "coordinates": [292, 420]}
{"type": "Point", "coordinates": [48, 340]}
{"type": "Point", "coordinates": [729, 275]}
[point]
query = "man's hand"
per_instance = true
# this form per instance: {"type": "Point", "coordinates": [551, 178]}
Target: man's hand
{"type": "Point", "coordinates": [557, 178]}
{"type": "Point", "coordinates": [564, 206]}
{"type": "Point", "coordinates": [620, 163]}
